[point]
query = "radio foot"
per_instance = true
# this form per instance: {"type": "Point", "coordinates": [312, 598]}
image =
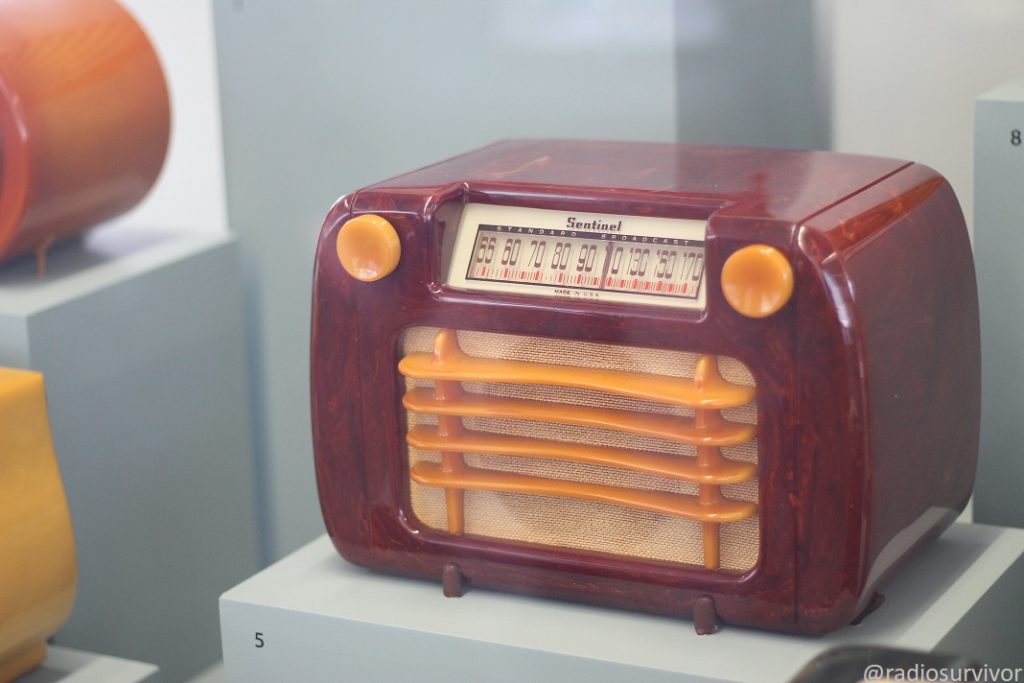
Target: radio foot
{"type": "Point", "coordinates": [705, 622]}
{"type": "Point", "coordinates": [876, 601]}
{"type": "Point", "coordinates": [451, 581]}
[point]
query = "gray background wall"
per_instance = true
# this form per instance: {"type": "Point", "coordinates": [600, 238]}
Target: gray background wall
{"type": "Point", "coordinates": [753, 73]}
{"type": "Point", "coordinates": [321, 97]}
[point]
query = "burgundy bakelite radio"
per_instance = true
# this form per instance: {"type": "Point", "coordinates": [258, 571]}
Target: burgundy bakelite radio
{"type": "Point", "coordinates": [737, 385]}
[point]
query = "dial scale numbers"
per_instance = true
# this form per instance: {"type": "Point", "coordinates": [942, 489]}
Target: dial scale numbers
{"type": "Point", "coordinates": [539, 252]}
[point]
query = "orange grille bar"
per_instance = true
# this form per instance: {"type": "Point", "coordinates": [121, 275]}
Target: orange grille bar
{"type": "Point", "coordinates": [680, 505]}
{"type": "Point", "coordinates": [669, 427]}
{"type": "Point", "coordinates": [707, 393]}
{"type": "Point", "coordinates": [672, 466]}
{"type": "Point", "coordinates": [454, 365]}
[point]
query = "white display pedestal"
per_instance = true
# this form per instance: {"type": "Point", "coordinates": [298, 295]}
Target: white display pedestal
{"type": "Point", "coordinates": [313, 617]}
{"type": "Point", "coordinates": [139, 336]}
{"type": "Point", "coordinates": [998, 245]}
{"type": "Point", "coordinates": [63, 665]}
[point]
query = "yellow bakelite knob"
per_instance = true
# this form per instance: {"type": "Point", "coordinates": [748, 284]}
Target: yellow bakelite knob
{"type": "Point", "coordinates": [757, 281]}
{"type": "Point", "coordinates": [368, 247]}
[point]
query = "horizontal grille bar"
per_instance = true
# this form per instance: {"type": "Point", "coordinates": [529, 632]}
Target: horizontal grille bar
{"type": "Point", "coordinates": [669, 427]}
{"type": "Point", "coordinates": [676, 467]}
{"type": "Point", "coordinates": [687, 507]}
{"type": "Point", "coordinates": [713, 393]}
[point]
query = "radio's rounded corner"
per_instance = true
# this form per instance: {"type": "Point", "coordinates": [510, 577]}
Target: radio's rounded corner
{"type": "Point", "coordinates": [340, 212]}
{"type": "Point", "coordinates": [822, 619]}
{"type": "Point", "coordinates": [350, 539]}
{"type": "Point", "coordinates": [353, 550]}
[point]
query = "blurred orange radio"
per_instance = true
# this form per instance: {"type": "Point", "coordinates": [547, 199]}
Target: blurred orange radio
{"type": "Point", "coordinates": [733, 384]}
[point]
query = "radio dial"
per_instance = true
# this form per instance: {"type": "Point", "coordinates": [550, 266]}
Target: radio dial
{"type": "Point", "coordinates": [757, 281]}
{"type": "Point", "coordinates": [368, 247]}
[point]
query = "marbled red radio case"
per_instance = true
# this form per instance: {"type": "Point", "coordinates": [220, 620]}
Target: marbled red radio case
{"type": "Point", "coordinates": [867, 379]}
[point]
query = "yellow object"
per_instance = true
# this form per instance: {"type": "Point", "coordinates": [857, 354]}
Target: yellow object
{"type": "Point", "coordinates": [757, 281]}
{"type": "Point", "coordinates": [37, 548]}
{"type": "Point", "coordinates": [368, 247]}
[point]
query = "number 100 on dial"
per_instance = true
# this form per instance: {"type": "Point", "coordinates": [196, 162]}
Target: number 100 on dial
{"type": "Point", "coordinates": [655, 261]}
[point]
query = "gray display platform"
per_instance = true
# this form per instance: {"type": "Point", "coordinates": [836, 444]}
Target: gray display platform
{"type": "Point", "coordinates": [313, 617]}
{"type": "Point", "coordinates": [998, 245]}
{"type": "Point", "coordinates": [139, 336]}
{"type": "Point", "coordinates": [64, 665]}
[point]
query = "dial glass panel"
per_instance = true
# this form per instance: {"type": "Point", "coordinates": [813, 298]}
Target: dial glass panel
{"type": "Point", "coordinates": [539, 252]}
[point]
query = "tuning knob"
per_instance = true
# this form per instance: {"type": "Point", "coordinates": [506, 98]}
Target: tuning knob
{"type": "Point", "coordinates": [368, 247]}
{"type": "Point", "coordinates": [757, 281]}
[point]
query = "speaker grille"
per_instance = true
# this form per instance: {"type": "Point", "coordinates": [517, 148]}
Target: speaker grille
{"type": "Point", "coordinates": [645, 453]}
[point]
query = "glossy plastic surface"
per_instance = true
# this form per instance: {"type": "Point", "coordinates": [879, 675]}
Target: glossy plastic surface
{"type": "Point", "coordinates": [867, 378]}
{"type": "Point", "coordinates": [84, 118]}
{"type": "Point", "coordinates": [38, 570]}
{"type": "Point", "coordinates": [368, 247]}
{"type": "Point", "coordinates": [467, 441]}
{"type": "Point", "coordinates": [449, 363]}
{"type": "Point", "coordinates": [757, 281]}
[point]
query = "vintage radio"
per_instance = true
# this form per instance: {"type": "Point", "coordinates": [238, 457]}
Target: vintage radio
{"type": "Point", "coordinates": [733, 384]}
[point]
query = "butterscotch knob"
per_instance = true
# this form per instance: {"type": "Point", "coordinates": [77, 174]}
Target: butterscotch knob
{"type": "Point", "coordinates": [368, 247]}
{"type": "Point", "coordinates": [757, 281]}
